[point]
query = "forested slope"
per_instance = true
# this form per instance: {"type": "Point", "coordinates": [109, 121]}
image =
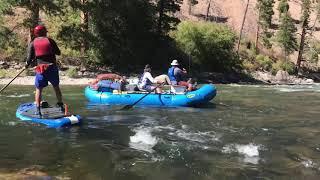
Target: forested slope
{"type": "Point", "coordinates": [129, 34]}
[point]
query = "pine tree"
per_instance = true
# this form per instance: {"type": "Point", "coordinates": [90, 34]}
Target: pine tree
{"type": "Point", "coordinates": [286, 34]}
{"type": "Point", "coordinates": [166, 19]}
{"type": "Point", "coordinates": [305, 19]}
{"type": "Point", "coordinates": [51, 7]}
{"type": "Point", "coordinates": [265, 9]}
{"type": "Point", "coordinates": [84, 7]}
{"type": "Point", "coordinates": [283, 7]}
{"type": "Point", "coordinates": [4, 8]}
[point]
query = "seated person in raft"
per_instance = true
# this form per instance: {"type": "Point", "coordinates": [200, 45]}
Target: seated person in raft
{"type": "Point", "coordinates": [146, 81]}
{"type": "Point", "coordinates": [110, 80]}
{"type": "Point", "coordinates": [177, 75]}
{"type": "Point", "coordinates": [163, 79]}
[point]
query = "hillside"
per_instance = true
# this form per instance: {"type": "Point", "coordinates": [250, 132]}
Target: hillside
{"type": "Point", "coordinates": [231, 13]}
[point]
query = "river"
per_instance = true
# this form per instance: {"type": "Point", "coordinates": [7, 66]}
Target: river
{"type": "Point", "coordinates": [247, 132]}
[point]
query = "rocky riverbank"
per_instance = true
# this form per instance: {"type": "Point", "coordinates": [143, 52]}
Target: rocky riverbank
{"type": "Point", "coordinates": [77, 75]}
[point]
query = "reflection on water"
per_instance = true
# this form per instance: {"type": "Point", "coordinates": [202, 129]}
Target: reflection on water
{"type": "Point", "coordinates": [247, 132]}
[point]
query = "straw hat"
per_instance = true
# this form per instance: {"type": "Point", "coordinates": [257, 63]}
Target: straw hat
{"type": "Point", "coordinates": [175, 63]}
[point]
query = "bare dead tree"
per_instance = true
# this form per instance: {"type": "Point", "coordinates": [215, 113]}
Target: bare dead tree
{"type": "Point", "coordinates": [242, 25]}
{"type": "Point", "coordinates": [208, 9]}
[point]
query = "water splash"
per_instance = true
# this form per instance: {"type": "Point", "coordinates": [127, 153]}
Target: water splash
{"type": "Point", "coordinates": [249, 151]}
{"type": "Point", "coordinates": [18, 96]}
{"type": "Point", "coordinates": [143, 140]}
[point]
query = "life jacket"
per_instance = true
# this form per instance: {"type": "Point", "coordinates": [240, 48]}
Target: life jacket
{"type": "Point", "coordinates": [171, 74]}
{"type": "Point", "coordinates": [42, 47]}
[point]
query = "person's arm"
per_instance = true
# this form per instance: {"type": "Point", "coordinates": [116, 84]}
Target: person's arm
{"type": "Point", "coordinates": [178, 72]}
{"type": "Point", "coordinates": [55, 47]}
{"type": "Point", "coordinates": [30, 54]}
{"type": "Point", "coordinates": [149, 76]}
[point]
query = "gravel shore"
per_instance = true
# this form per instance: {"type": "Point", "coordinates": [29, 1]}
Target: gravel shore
{"type": "Point", "coordinates": [29, 80]}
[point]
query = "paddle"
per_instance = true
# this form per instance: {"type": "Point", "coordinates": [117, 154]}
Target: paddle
{"type": "Point", "coordinates": [13, 79]}
{"type": "Point", "coordinates": [130, 106]}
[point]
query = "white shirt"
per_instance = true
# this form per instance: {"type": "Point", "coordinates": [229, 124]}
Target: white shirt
{"type": "Point", "coordinates": [146, 76]}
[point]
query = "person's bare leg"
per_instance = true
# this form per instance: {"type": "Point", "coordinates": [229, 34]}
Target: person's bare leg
{"type": "Point", "coordinates": [159, 90]}
{"type": "Point", "coordinates": [38, 96]}
{"type": "Point", "coordinates": [168, 80]}
{"type": "Point", "coordinates": [58, 93]}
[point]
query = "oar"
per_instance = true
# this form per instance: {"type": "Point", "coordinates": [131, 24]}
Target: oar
{"type": "Point", "coordinates": [130, 106]}
{"type": "Point", "coordinates": [12, 79]}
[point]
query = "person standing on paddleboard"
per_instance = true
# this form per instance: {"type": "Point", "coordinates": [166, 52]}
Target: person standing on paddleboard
{"type": "Point", "coordinates": [42, 52]}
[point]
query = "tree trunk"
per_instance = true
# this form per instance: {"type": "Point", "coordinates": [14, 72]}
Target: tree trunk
{"type": "Point", "coordinates": [302, 41]}
{"type": "Point", "coordinates": [85, 27]}
{"type": "Point", "coordinates": [34, 18]}
{"type": "Point", "coordinates": [208, 10]}
{"type": "Point", "coordinates": [241, 29]}
{"type": "Point", "coordinates": [190, 7]}
{"type": "Point", "coordinates": [257, 38]}
{"type": "Point", "coordinates": [161, 11]}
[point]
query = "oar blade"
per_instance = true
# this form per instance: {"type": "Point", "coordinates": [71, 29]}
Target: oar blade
{"type": "Point", "coordinates": [127, 107]}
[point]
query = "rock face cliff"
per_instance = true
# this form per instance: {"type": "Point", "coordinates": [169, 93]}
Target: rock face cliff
{"type": "Point", "coordinates": [231, 13]}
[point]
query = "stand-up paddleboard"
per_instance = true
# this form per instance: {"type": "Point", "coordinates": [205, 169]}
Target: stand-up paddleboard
{"type": "Point", "coordinates": [53, 117]}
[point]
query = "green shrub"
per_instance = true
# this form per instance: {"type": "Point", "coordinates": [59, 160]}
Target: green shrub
{"type": "Point", "coordinates": [209, 44]}
{"type": "Point", "coordinates": [72, 72]}
{"type": "Point", "coordinates": [264, 62]}
{"type": "Point", "coordinates": [3, 73]}
{"type": "Point", "coordinates": [249, 65]}
{"type": "Point", "coordinates": [313, 52]}
{"type": "Point", "coordinates": [283, 65]}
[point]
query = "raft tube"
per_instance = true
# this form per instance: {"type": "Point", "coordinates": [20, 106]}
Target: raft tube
{"type": "Point", "coordinates": [201, 96]}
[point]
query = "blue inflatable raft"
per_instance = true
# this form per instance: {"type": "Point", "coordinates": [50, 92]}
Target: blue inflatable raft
{"type": "Point", "coordinates": [51, 116]}
{"type": "Point", "coordinates": [201, 96]}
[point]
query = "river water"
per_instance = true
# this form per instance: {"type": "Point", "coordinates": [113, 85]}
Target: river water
{"type": "Point", "coordinates": [247, 132]}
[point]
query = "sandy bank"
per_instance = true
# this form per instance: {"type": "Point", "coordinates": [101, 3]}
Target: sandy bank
{"type": "Point", "coordinates": [29, 80]}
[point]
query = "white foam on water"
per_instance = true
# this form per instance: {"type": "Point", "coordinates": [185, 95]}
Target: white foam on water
{"type": "Point", "coordinates": [186, 134]}
{"type": "Point", "coordinates": [12, 123]}
{"type": "Point", "coordinates": [201, 137]}
{"type": "Point", "coordinates": [18, 96]}
{"type": "Point", "coordinates": [245, 85]}
{"type": "Point", "coordinates": [143, 140]}
{"type": "Point", "coordinates": [297, 88]}
{"type": "Point", "coordinates": [249, 151]}
{"type": "Point", "coordinates": [290, 90]}
{"type": "Point", "coordinates": [309, 163]}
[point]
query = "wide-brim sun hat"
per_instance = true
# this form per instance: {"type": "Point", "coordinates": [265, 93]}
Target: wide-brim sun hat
{"type": "Point", "coordinates": [175, 63]}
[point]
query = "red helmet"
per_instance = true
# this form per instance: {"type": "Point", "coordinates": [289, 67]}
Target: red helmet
{"type": "Point", "coordinates": [40, 30]}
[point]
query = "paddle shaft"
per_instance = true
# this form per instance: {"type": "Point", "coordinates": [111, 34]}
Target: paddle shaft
{"type": "Point", "coordinates": [12, 80]}
{"type": "Point", "coordinates": [130, 106]}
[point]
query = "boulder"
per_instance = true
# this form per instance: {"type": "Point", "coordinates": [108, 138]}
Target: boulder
{"type": "Point", "coordinates": [80, 73]}
{"type": "Point", "coordinates": [85, 74]}
{"type": "Point", "coordinates": [282, 76]}
{"type": "Point", "coordinates": [17, 66]}
{"type": "Point", "coordinates": [263, 76]}
{"type": "Point", "coordinates": [309, 81]}
{"type": "Point", "coordinates": [4, 65]}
